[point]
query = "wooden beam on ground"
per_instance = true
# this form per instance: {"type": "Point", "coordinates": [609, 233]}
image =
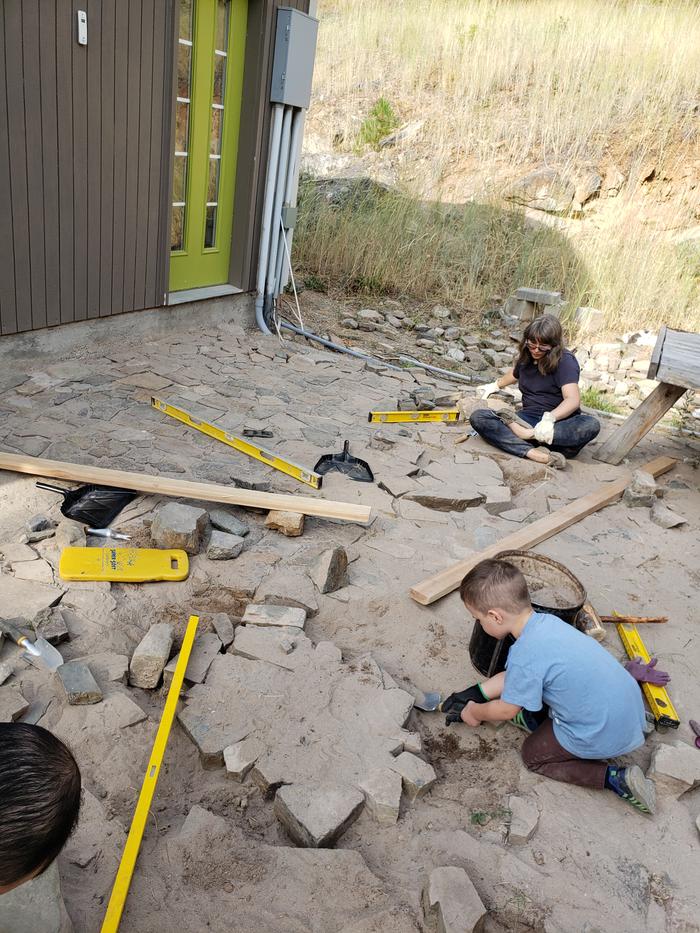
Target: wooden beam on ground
{"type": "Point", "coordinates": [642, 420]}
{"type": "Point", "coordinates": [439, 585]}
{"type": "Point", "coordinates": [164, 486]}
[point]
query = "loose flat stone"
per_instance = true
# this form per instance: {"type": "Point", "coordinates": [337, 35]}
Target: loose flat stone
{"type": "Point", "coordinates": [179, 526]}
{"type": "Point", "coordinates": [80, 686]}
{"type": "Point", "coordinates": [274, 616]}
{"type": "Point", "coordinates": [6, 670]}
{"type": "Point", "coordinates": [205, 648]}
{"type": "Point", "coordinates": [665, 517]}
{"type": "Point", "coordinates": [240, 757]}
{"type": "Point", "coordinates": [675, 768]}
{"type": "Point", "coordinates": [36, 906]}
{"type": "Point", "coordinates": [107, 667]}
{"type": "Point", "coordinates": [224, 521]}
{"type": "Point", "coordinates": [415, 512]}
{"type": "Point", "coordinates": [451, 903]}
{"type": "Point", "coordinates": [316, 815]}
{"type": "Point", "coordinates": [268, 644]}
{"type": "Point", "coordinates": [27, 598]}
{"type": "Point", "coordinates": [290, 524]}
{"type": "Point", "coordinates": [382, 789]}
{"type": "Point", "coordinates": [446, 500]}
{"type": "Point", "coordinates": [17, 553]}
{"type": "Point", "coordinates": [417, 775]}
{"type": "Point", "coordinates": [38, 571]}
{"type": "Point", "coordinates": [51, 624]}
{"type": "Point", "coordinates": [524, 817]}
{"type": "Point", "coordinates": [288, 587]}
{"type": "Point", "coordinates": [39, 523]}
{"type": "Point", "coordinates": [12, 703]}
{"type": "Point", "coordinates": [151, 656]}
{"type": "Point", "coordinates": [516, 515]}
{"type": "Point", "coordinates": [33, 537]}
{"type": "Point", "coordinates": [69, 534]}
{"type": "Point", "coordinates": [330, 570]}
{"type": "Point", "coordinates": [223, 626]}
{"type": "Point", "coordinates": [223, 546]}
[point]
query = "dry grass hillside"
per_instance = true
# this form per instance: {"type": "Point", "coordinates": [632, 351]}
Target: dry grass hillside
{"type": "Point", "coordinates": [451, 103]}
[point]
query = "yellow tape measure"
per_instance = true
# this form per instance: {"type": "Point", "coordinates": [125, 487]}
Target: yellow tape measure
{"type": "Point", "coordinates": [120, 890]}
{"type": "Point", "coordinates": [658, 699]}
{"type": "Point", "coordinates": [268, 457]}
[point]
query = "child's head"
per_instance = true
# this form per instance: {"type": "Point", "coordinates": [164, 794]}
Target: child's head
{"type": "Point", "coordinates": [495, 592]}
{"type": "Point", "coordinates": [39, 801]}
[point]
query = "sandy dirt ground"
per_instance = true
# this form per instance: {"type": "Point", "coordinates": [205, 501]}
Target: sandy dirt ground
{"type": "Point", "coordinates": [214, 856]}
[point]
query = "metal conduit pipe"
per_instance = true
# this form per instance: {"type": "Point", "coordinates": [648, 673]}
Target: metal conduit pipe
{"type": "Point", "coordinates": [281, 175]}
{"type": "Point", "coordinates": [372, 359]}
{"type": "Point", "coordinates": [289, 190]}
{"type": "Point", "coordinates": [336, 346]}
{"type": "Point", "coordinates": [273, 159]}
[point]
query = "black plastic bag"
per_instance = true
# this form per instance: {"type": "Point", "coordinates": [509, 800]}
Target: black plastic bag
{"type": "Point", "coordinates": [96, 506]}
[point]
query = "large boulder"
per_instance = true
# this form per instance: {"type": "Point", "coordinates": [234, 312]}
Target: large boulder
{"type": "Point", "coordinates": [545, 189]}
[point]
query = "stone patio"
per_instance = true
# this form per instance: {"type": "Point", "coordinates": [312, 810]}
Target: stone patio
{"type": "Point", "coordinates": [288, 701]}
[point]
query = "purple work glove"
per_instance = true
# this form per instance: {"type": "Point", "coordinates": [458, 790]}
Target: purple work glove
{"type": "Point", "coordinates": [647, 673]}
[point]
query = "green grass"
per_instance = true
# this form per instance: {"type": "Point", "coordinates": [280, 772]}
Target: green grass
{"type": "Point", "coordinates": [593, 398]}
{"type": "Point", "coordinates": [379, 122]}
{"type": "Point", "coordinates": [382, 243]}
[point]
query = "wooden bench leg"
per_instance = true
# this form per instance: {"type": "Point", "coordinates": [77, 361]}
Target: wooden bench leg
{"type": "Point", "coordinates": [642, 420]}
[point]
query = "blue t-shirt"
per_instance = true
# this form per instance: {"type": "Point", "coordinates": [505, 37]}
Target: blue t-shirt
{"type": "Point", "coordinates": [543, 393]}
{"type": "Point", "coordinates": [595, 704]}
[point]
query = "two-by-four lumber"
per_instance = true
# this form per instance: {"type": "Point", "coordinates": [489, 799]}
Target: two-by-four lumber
{"type": "Point", "coordinates": [439, 585]}
{"type": "Point", "coordinates": [639, 423]}
{"type": "Point", "coordinates": [164, 486]}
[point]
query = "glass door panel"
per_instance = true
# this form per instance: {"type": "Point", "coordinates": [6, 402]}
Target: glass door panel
{"type": "Point", "coordinates": [209, 78]}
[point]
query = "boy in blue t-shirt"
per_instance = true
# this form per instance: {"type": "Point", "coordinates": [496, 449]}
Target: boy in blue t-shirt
{"type": "Point", "coordinates": [594, 705]}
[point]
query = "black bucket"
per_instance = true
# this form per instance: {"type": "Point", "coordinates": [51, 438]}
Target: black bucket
{"type": "Point", "coordinates": [545, 576]}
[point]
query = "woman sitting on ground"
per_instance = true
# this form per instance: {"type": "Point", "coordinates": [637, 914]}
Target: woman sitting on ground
{"type": "Point", "coordinates": [551, 427]}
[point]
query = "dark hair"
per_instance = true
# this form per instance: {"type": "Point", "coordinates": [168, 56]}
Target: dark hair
{"type": "Point", "coordinates": [39, 799]}
{"type": "Point", "coordinates": [544, 329]}
{"type": "Point", "coordinates": [495, 584]}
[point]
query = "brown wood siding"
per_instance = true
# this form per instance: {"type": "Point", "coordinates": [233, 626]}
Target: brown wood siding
{"type": "Point", "coordinates": [84, 159]}
{"type": "Point", "coordinates": [254, 137]}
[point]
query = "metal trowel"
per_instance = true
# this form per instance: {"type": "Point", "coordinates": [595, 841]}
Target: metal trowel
{"type": "Point", "coordinates": [428, 702]}
{"type": "Point", "coordinates": [38, 652]}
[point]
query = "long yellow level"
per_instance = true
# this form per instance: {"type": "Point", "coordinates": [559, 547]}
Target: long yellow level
{"type": "Point", "coordinates": [658, 699]}
{"type": "Point", "coordinates": [391, 417]}
{"type": "Point", "coordinates": [122, 882]}
{"type": "Point", "coordinates": [268, 457]}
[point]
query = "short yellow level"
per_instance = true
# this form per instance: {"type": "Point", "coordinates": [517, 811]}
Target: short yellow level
{"type": "Point", "coordinates": [391, 417]}
{"type": "Point", "coordinates": [120, 890]}
{"type": "Point", "coordinates": [658, 699]}
{"type": "Point", "coordinates": [268, 457]}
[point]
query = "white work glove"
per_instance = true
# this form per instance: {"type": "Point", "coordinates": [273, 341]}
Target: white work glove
{"type": "Point", "coordinates": [544, 429]}
{"type": "Point", "coordinates": [489, 389]}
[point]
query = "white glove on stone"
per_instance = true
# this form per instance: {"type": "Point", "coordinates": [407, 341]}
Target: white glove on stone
{"type": "Point", "coordinates": [488, 389]}
{"type": "Point", "coordinates": [544, 429]}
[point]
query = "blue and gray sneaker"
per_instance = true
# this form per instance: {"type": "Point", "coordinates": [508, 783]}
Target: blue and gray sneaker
{"type": "Point", "coordinates": [631, 784]}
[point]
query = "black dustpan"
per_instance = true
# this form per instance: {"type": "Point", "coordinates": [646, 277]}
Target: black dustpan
{"type": "Point", "coordinates": [96, 506]}
{"type": "Point", "coordinates": [344, 463]}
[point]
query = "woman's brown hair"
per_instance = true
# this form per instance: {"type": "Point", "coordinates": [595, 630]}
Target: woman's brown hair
{"type": "Point", "coordinates": [545, 329]}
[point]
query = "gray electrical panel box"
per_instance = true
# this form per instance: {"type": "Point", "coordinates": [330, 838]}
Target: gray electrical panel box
{"type": "Point", "coordinates": [293, 63]}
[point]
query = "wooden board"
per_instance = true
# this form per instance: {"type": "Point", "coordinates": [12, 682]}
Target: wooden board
{"type": "Point", "coordinates": [439, 585]}
{"type": "Point", "coordinates": [639, 423]}
{"type": "Point", "coordinates": [164, 486]}
{"type": "Point", "coordinates": [679, 361]}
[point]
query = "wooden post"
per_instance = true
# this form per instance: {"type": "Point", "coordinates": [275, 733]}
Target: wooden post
{"type": "Point", "coordinates": [642, 420]}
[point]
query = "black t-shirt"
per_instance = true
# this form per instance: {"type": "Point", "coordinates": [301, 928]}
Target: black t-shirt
{"type": "Point", "coordinates": [543, 393]}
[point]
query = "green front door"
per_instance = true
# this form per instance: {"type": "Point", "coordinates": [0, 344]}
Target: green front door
{"type": "Point", "coordinates": [209, 83]}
